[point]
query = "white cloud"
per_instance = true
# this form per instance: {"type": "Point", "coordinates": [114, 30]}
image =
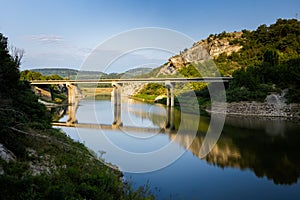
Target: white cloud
{"type": "Point", "coordinates": [46, 39]}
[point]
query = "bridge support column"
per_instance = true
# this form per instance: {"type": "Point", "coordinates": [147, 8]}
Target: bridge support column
{"type": "Point", "coordinates": [72, 113]}
{"type": "Point", "coordinates": [170, 118]}
{"type": "Point", "coordinates": [72, 103]}
{"type": "Point", "coordinates": [168, 97]}
{"type": "Point", "coordinates": [170, 93]}
{"type": "Point", "coordinates": [117, 91]}
{"type": "Point", "coordinates": [71, 93]}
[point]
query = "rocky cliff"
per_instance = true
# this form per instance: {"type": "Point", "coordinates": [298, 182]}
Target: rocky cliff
{"type": "Point", "coordinates": [223, 43]}
{"type": "Point", "coordinates": [209, 48]}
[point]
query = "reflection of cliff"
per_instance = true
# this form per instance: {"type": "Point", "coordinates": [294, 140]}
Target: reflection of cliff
{"type": "Point", "coordinates": [223, 154]}
{"type": "Point", "coordinates": [273, 157]}
{"type": "Point", "coordinates": [256, 145]}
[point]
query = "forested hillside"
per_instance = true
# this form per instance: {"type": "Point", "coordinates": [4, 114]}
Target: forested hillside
{"type": "Point", "coordinates": [269, 62]}
{"type": "Point", "coordinates": [262, 61]}
{"type": "Point", "coordinates": [282, 38]}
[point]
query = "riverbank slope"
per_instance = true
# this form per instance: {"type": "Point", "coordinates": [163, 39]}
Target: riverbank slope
{"type": "Point", "coordinates": [40, 162]}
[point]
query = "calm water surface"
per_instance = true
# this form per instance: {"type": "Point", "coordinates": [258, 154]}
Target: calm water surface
{"type": "Point", "coordinates": [253, 159]}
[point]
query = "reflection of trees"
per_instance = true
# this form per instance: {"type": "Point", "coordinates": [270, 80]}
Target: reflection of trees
{"type": "Point", "coordinates": [275, 157]}
{"type": "Point", "coordinates": [245, 145]}
{"type": "Point", "coordinates": [58, 112]}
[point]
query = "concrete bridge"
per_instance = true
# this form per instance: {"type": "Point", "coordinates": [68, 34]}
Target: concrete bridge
{"type": "Point", "coordinates": [169, 126]}
{"type": "Point", "coordinates": [117, 89]}
{"type": "Point", "coordinates": [117, 84]}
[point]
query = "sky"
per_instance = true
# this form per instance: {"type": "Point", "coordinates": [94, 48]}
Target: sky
{"type": "Point", "coordinates": [64, 33]}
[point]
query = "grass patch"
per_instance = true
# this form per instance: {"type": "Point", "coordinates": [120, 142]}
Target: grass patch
{"type": "Point", "coordinates": [145, 97]}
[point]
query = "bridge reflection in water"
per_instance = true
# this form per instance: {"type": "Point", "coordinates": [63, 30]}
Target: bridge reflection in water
{"type": "Point", "coordinates": [266, 153]}
{"type": "Point", "coordinates": [117, 122]}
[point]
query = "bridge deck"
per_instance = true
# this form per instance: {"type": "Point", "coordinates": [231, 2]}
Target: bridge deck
{"type": "Point", "coordinates": [111, 127]}
{"type": "Point", "coordinates": [137, 80]}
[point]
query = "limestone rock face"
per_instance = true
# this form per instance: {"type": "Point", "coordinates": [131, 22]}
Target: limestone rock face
{"type": "Point", "coordinates": [169, 68]}
{"type": "Point", "coordinates": [196, 53]}
{"type": "Point", "coordinates": [6, 154]}
{"type": "Point", "coordinates": [203, 50]}
{"type": "Point", "coordinates": [177, 61]}
{"type": "Point", "coordinates": [131, 89]}
{"type": "Point", "coordinates": [217, 46]}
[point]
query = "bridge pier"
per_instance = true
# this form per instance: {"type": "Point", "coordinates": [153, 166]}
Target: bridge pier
{"type": "Point", "coordinates": [117, 91]}
{"type": "Point", "coordinates": [170, 93]}
{"type": "Point", "coordinates": [72, 102]}
{"type": "Point", "coordinates": [170, 118]}
{"type": "Point", "coordinates": [71, 93]}
{"type": "Point", "coordinates": [72, 108]}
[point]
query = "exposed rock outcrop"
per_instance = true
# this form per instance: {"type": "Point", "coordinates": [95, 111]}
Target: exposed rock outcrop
{"type": "Point", "coordinates": [259, 109]}
{"type": "Point", "coordinates": [264, 109]}
{"type": "Point", "coordinates": [193, 55]}
{"type": "Point", "coordinates": [203, 50]}
{"type": "Point", "coordinates": [6, 154]}
{"type": "Point", "coordinates": [218, 45]}
{"type": "Point", "coordinates": [275, 105]}
{"type": "Point", "coordinates": [130, 89]}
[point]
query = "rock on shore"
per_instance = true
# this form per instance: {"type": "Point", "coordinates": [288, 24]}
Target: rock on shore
{"type": "Point", "coordinates": [274, 106]}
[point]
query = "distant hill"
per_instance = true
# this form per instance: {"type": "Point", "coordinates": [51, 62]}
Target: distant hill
{"type": "Point", "coordinates": [137, 72]}
{"type": "Point", "coordinates": [63, 72]}
{"type": "Point", "coordinates": [69, 73]}
{"type": "Point", "coordinates": [73, 73]}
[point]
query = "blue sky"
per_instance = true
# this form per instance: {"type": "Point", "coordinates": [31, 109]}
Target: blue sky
{"type": "Point", "coordinates": [62, 33]}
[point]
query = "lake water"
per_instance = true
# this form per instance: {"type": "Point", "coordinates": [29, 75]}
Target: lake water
{"type": "Point", "coordinates": [253, 158]}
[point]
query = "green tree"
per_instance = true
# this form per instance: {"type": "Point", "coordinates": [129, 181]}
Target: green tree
{"type": "Point", "coordinates": [31, 75]}
{"type": "Point", "coordinates": [53, 77]}
{"type": "Point", "coordinates": [271, 57]}
{"type": "Point", "coordinates": [9, 69]}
